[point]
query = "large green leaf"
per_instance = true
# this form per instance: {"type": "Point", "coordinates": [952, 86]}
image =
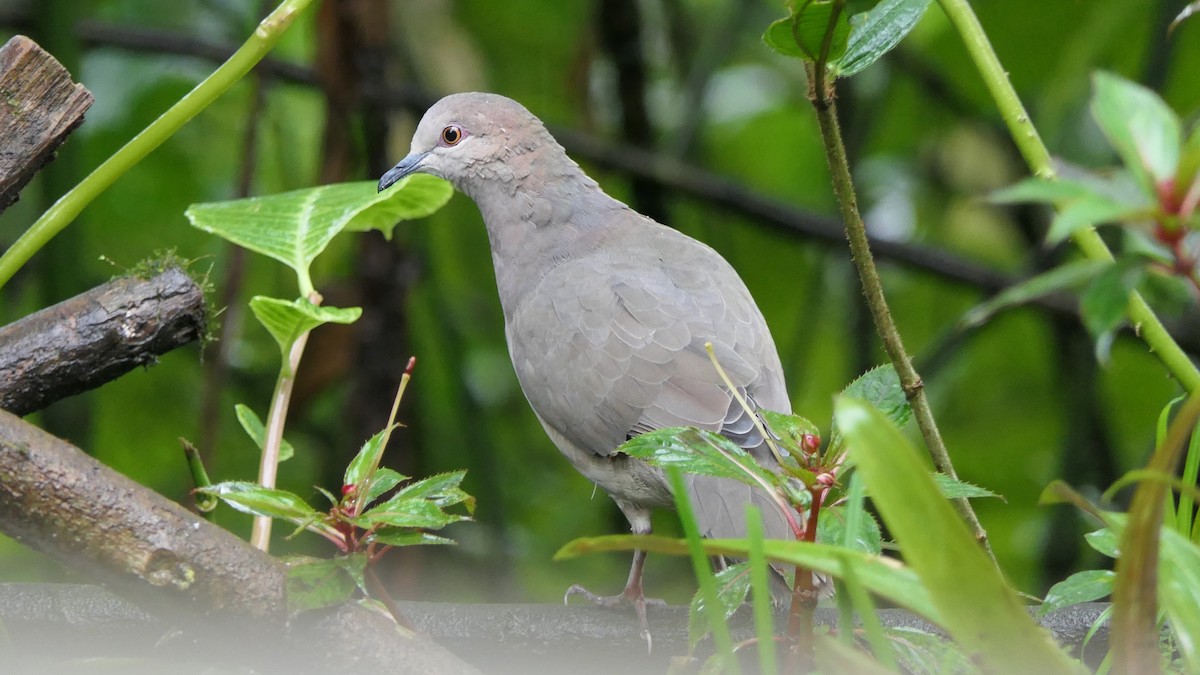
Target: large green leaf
{"type": "Point", "coordinates": [879, 386]}
{"type": "Point", "coordinates": [367, 459]}
{"type": "Point", "coordinates": [978, 608]}
{"type": "Point", "coordinates": [441, 489]}
{"type": "Point", "coordinates": [295, 227]}
{"type": "Point", "coordinates": [876, 32]}
{"type": "Point", "coordinates": [1143, 130]}
{"type": "Point", "coordinates": [286, 320]}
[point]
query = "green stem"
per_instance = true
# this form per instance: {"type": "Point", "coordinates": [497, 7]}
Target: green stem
{"type": "Point", "coordinates": [73, 202]}
{"type": "Point", "coordinates": [1146, 323]}
{"type": "Point", "coordinates": [864, 261]}
{"type": "Point", "coordinates": [260, 533]}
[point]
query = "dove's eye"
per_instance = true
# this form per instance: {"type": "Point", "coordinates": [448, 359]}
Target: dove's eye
{"type": "Point", "coordinates": [452, 134]}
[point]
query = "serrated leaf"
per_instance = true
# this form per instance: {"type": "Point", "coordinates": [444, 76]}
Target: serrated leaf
{"type": "Point", "coordinates": [876, 32]}
{"type": "Point", "coordinates": [698, 452]}
{"type": "Point", "coordinates": [952, 488]}
{"type": "Point", "coordinates": [1143, 130]}
{"type": "Point", "coordinates": [790, 429]}
{"type": "Point", "coordinates": [1066, 276]}
{"type": "Point", "coordinates": [314, 583]}
{"type": "Point", "coordinates": [733, 583]}
{"type": "Point", "coordinates": [398, 537]}
{"type": "Point", "coordinates": [978, 608]}
{"type": "Point", "coordinates": [879, 386]}
{"type": "Point", "coordinates": [295, 227]}
{"type": "Point", "coordinates": [441, 490]}
{"type": "Point", "coordinates": [384, 479]}
{"type": "Point", "coordinates": [367, 459]}
{"type": "Point", "coordinates": [1085, 586]}
{"type": "Point", "coordinates": [412, 513]}
{"type": "Point", "coordinates": [286, 320]}
{"type": "Point", "coordinates": [253, 426]}
{"type": "Point", "coordinates": [257, 500]}
{"type": "Point", "coordinates": [831, 528]}
{"type": "Point", "coordinates": [921, 652]}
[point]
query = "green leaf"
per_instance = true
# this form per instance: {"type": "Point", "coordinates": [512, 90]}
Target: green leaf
{"type": "Point", "coordinates": [831, 528]}
{"type": "Point", "coordinates": [257, 500]}
{"type": "Point", "coordinates": [1104, 301]}
{"type": "Point", "coordinates": [802, 34]}
{"type": "Point", "coordinates": [1104, 541]}
{"type": "Point", "coordinates": [313, 583]}
{"type": "Point", "coordinates": [411, 513]}
{"type": "Point", "coordinates": [415, 196]}
{"type": "Point", "coordinates": [1080, 587]}
{"type": "Point", "coordinates": [879, 386]}
{"type": "Point", "coordinates": [952, 488]}
{"type": "Point", "coordinates": [288, 320]}
{"type": "Point", "coordinates": [1065, 276]}
{"type": "Point", "coordinates": [1087, 212]}
{"type": "Point", "coordinates": [876, 32]}
{"type": "Point", "coordinates": [790, 429]}
{"type": "Point", "coordinates": [1044, 191]}
{"type": "Point", "coordinates": [699, 452]}
{"type": "Point", "coordinates": [441, 490]}
{"type": "Point", "coordinates": [733, 583]}
{"type": "Point", "coordinates": [1143, 130]}
{"type": "Point", "coordinates": [294, 227]}
{"type": "Point", "coordinates": [977, 607]}
{"type": "Point", "coordinates": [401, 537]}
{"type": "Point", "coordinates": [882, 576]}
{"type": "Point", "coordinates": [921, 652]}
{"type": "Point", "coordinates": [367, 459]}
{"type": "Point", "coordinates": [384, 479]}
{"type": "Point", "coordinates": [254, 428]}
{"type": "Point", "coordinates": [778, 37]}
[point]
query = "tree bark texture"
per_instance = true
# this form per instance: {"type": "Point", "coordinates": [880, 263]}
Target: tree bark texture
{"type": "Point", "coordinates": [95, 337]}
{"type": "Point", "coordinates": [41, 106]}
{"type": "Point", "coordinates": [202, 584]}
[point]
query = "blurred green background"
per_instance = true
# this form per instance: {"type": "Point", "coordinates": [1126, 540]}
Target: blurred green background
{"type": "Point", "coordinates": [1021, 400]}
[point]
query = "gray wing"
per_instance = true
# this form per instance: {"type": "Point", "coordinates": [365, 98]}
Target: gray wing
{"type": "Point", "coordinates": [608, 348]}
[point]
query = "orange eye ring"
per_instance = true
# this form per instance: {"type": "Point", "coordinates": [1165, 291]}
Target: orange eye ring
{"type": "Point", "coordinates": [452, 135]}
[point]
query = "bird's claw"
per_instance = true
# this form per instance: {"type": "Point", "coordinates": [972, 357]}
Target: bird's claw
{"type": "Point", "coordinates": [630, 596]}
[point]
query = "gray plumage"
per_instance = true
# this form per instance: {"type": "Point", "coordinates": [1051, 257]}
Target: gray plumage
{"type": "Point", "coordinates": [607, 312]}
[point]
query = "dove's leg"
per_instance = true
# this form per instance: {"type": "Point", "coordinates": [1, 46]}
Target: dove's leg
{"type": "Point", "coordinates": [639, 523]}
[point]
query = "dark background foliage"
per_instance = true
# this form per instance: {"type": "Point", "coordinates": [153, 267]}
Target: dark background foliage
{"type": "Point", "coordinates": [1021, 400]}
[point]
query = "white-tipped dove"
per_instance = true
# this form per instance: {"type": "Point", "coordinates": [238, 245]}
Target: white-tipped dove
{"type": "Point", "coordinates": [607, 313]}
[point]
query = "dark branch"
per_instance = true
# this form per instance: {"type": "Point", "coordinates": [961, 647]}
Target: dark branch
{"type": "Point", "coordinates": [187, 572]}
{"type": "Point", "coordinates": [95, 337]}
{"type": "Point", "coordinates": [41, 107]}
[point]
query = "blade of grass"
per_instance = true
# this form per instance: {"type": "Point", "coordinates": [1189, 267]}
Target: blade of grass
{"type": "Point", "coordinates": [979, 610]}
{"type": "Point", "coordinates": [760, 591]}
{"type": "Point", "coordinates": [722, 642]}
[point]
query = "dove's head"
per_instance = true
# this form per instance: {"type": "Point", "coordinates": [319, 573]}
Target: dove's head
{"type": "Point", "coordinates": [472, 137]}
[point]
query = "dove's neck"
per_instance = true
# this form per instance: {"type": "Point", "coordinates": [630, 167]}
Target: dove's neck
{"type": "Point", "coordinates": [541, 210]}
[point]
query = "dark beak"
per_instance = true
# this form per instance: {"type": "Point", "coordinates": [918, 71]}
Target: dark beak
{"type": "Point", "coordinates": [408, 165]}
